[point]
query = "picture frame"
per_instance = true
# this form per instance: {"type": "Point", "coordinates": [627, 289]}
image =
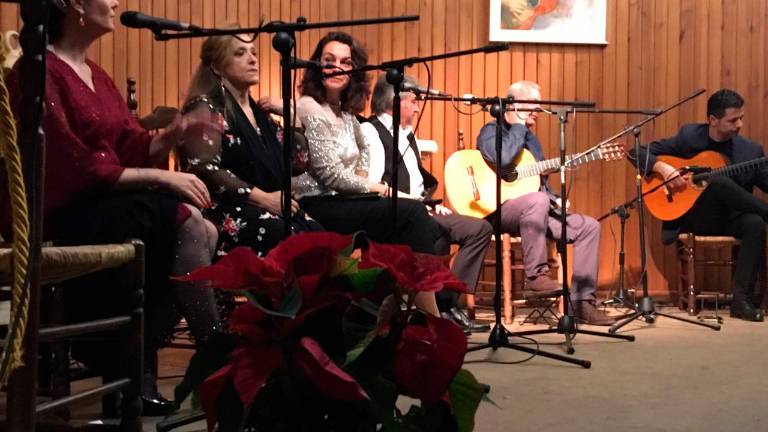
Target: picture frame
{"type": "Point", "coordinates": [549, 21]}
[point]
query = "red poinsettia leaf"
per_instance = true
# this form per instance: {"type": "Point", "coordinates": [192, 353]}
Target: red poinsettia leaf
{"type": "Point", "coordinates": [414, 271]}
{"type": "Point", "coordinates": [428, 358]}
{"type": "Point", "coordinates": [209, 392]}
{"type": "Point", "coordinates": [252, 367]}
{"type": "Point", "coordinates": [309, 252]}
{"type": "Point", "coordinates": [246, 316]}
{"type": "Point", "coordinates": [328, 378]}
{"type": "Point", "coordinates": [241, 268]}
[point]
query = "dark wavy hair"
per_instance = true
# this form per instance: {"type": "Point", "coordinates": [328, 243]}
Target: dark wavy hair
{"type": "Point", "coordinates": [354, 97]}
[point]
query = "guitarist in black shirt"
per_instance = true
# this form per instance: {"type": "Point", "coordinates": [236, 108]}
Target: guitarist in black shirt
{"type": "Point", "coordinates": [726, 206]}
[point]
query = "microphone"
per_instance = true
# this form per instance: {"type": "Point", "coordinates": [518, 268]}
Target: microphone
{"type": "Point", "coordinates": [139, 20]}
{"type": "Point", "coordinates": [413, 88]}
{"type": "Point", "coordinates": [297, 63]}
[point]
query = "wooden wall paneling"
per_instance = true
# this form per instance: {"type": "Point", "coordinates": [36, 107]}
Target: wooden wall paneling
{"type": "Point", "coordinates": [144, 62]}
{"type": "Point", "coordinates": [756, 104]}
{"type": "Point", "coordinates": [438, 110]}
{"type": "Point", "coordinates": [171, 69]}
{"type": "Point", "coordinates": [185, 56]}
{"type": "Point", "coordinates": [478, 36]}
{"type": "Point", "coordinates": [120, 52]}
{"type": "Point", "coordinates": [158, 62]}
{"type": "Point", "coordinates": [9, 17]}
{"type": "Point", "coordinates": [132, 52]}
{"type": "Point", "coordinates": [420, 45]}
{"type": "Point", "coordinates": [197, 17]}
{"type": "Point", "coordinates": [701, 53]}
{"type": "Point", "coordinates": [465, 82]}
{"type": "Point", "coordinates": [762, 61]}
{"type": "Point", "coordinates": [452, 86]}
{"type": "Point", "coordinates": [729, 42]}
{"type": "Point", "coordinates": [687, 79]}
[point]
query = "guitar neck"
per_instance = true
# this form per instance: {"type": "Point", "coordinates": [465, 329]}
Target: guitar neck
{"type": "Point", "coordinates": [731, 170]}
{"type": "Point", "coordinates": [552, 164]}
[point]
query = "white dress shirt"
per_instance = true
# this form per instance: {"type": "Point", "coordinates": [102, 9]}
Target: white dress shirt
{"type": "Point", "coordinates": [377, 158]}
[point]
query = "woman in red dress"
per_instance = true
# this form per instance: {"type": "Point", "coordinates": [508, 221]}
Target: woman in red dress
{"type": "Point", "coordinates": [101, 187]}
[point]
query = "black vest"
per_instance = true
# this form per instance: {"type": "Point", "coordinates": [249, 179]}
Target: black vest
{"type": "Point", "coordinates": [403, 177]}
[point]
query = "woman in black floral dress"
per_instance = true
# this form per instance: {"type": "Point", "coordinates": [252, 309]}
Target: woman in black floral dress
{"type": "Point", "coordinates": [243, 167]}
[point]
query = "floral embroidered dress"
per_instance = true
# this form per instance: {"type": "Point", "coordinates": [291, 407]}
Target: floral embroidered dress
{"type": "Point", "coordinates": [231, 165]}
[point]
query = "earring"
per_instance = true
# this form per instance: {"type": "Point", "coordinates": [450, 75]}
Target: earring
{"type": "Point", "coordinates": [82, 20]}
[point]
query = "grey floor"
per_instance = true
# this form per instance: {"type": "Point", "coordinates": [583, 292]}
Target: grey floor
{"type": "Point", "coordinates": [674, 377]}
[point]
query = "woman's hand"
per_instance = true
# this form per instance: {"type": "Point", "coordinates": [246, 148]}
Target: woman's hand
{"type": "Point", "coordinates": [271, 201]}
{"type": "Point", "coordinates": [270, 105]}
{"type": "Point", "coordinates": [381, 189]}
{"type": "Point", "coordinates": [187, 185]}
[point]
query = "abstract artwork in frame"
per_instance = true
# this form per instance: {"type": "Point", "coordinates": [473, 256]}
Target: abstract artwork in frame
{"type": "Point", "coordinates": [548, 21]}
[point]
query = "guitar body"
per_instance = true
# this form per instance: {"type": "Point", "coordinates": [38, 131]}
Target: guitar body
{"type": "Point", "coordinates": [459, 183]}
{"type": "Point", "coordinates": [670, 207]}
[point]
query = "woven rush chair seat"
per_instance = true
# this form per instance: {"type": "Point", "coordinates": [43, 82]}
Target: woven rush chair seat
{"type": "Point", "coordinates": [60, 263]}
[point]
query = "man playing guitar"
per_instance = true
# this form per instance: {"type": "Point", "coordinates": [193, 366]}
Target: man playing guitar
{"type": "Point", "coordinates": [530, 216]}
{"type": "Point", "coordinates": [726, 205]}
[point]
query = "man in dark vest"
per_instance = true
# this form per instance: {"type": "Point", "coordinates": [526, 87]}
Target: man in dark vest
{"type": "Point", "coordinates": [472, 235]}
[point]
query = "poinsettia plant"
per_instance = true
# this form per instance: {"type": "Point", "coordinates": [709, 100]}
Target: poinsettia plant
{"type": "Point", "coordinates": [329, 339]}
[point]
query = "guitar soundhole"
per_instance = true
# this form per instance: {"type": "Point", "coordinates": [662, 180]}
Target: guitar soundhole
{"type": "Point", "coordinates": [513, 175]}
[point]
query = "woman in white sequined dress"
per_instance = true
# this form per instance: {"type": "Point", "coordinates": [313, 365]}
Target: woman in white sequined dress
{"type": "Point", "coordinates": [335, 189]}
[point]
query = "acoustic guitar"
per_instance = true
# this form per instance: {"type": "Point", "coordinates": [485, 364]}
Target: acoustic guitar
{"type": "Point", "coordinates": [665, 205]}
{"type": "Point", "coordinates": [470, 183]}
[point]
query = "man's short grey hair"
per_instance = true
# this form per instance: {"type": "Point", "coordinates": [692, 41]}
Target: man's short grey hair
{"type": "Point", "coordinates": [521, 89]}
{"type": "Point", "coordinates": [383, 94]}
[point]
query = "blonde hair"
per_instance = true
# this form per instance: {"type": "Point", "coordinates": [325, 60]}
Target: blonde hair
{"type": "Point", "coordinates": [213, 54]}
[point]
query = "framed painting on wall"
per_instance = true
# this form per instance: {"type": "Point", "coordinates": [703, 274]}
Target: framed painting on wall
{"type": "Point", "coordinates": [548, 21]}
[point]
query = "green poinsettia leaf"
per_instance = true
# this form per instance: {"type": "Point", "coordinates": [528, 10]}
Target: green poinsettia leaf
{"type": "Point", "coordinates": [383, 398]}
{"type": "Point", "coordinates": [288, 308]}
{"type": "Point", "coordinates": [466, 393]}
{"type": "Point", "coordinates": [364, 281]}
{"type": "Point", "coordinates": [355, 352]}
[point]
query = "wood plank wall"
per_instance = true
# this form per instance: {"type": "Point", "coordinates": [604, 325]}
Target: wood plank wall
{"type": "Point", "coordinates": [658, 51]}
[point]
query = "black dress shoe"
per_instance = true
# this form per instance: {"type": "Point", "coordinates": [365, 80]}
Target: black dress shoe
{"type": "Point", "coordinates": [449, 317]}
{"type": "Point", "coordinates": [741, 308]}
{"type": "Point", "coordinates": [156, 405]}
{"type": "Point", "coordinates": [463, 320]}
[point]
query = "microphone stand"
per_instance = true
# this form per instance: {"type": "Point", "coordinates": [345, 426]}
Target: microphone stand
{"type": "Point", "coordinates": [622, 211]}
{"type": "Point", "coordinates": [283, 41]}
{"type": "Point", "coordinates": [395, 72]}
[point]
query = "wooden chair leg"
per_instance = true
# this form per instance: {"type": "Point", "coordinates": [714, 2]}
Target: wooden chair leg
{"type": "Point", "coordinates": [506, 268]}
{"type": "Point", "coordinates": [691, 266]}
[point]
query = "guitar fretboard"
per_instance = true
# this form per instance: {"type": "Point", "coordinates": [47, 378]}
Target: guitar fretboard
{"type": "Point", "coordinates": [554, 164]}
{"type": "Point", "coordinates": [731, 170]}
